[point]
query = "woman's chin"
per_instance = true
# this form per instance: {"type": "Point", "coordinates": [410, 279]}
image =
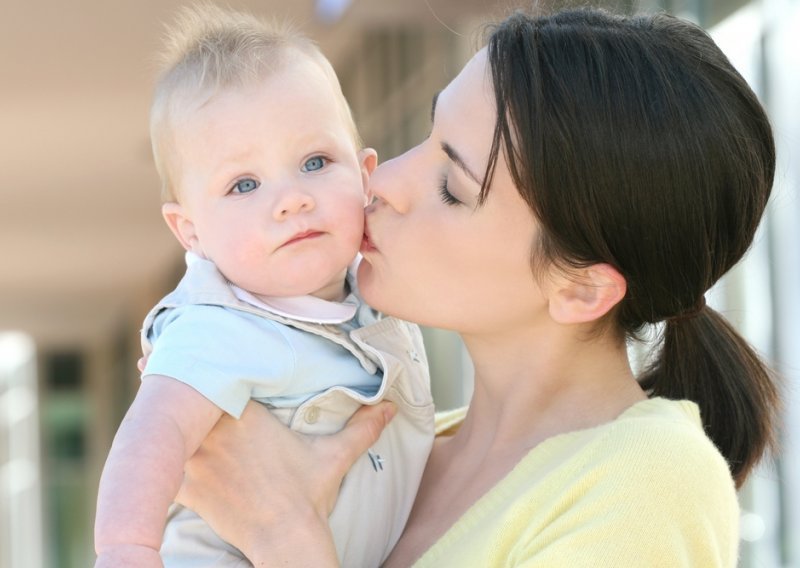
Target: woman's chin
{"type": "Point", "coordinates": [365, 276]}
{"type": "Point", "coordinates": [370, 287]}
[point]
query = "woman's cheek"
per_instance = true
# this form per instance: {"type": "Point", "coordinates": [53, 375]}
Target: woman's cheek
{"type": "Point", "coordinates": [368, 286]}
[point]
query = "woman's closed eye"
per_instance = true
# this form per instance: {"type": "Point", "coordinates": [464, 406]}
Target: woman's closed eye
{"type": "Point", "coordinates": [245, 185]}
{"type": "Point", "coordinates": [315, 163]}
{"type": "Point", "coordinates": [445, 194]}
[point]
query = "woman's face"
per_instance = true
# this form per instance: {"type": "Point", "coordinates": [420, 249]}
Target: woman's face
{"type": "Point", "coordinates": [432, 254]}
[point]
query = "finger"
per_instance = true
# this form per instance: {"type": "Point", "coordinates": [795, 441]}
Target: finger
{"type": "Point", "coordinates": [361, 431]}
{"type": "Point", "coordinates": [228, 429]}
{"type": "Point", "coordinates": [141, 363]}
{"type": "Point", "coordinates": [256, 421]}
{"type": "Point", "coordinates": [255, 411]}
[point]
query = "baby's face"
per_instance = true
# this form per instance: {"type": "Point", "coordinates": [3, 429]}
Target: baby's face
{"type": "Point", "coordinates": [271, 185]}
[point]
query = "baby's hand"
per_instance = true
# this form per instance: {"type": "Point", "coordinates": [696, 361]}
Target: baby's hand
{"type": "Point", "coordinates": [140, 364]}
{"type": "Point", "coordinates": [129, 556]}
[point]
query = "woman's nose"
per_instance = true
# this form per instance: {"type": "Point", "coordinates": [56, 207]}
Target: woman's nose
{"type": "Point", "coordinates": [292, 202]}
{"type": "Point", "coordinates": [392, 182]}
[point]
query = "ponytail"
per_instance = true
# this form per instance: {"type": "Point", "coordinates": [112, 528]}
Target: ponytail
{"type": "Point", "coordinates": [636, 143]}
{"type": "Point", "coordinates": [703, 359]}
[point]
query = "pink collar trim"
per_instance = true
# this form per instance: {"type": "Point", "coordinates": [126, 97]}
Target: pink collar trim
{"type": "Point", "coordinates": [302, 308]}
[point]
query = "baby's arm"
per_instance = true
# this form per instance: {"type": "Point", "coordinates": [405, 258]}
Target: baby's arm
{"type": "Point", "coordinates": [163, 428]}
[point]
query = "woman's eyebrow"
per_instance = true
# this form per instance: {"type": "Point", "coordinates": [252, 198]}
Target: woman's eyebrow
{"type": "Point", "coordinates": [433, 105]}
{"type": "Point", "coordinates": [456, 158]}
{"type": "Point", "coordinates": [451, 152]}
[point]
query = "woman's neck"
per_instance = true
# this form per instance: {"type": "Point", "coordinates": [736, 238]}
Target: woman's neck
{"type": "Point", "coordinates": [529, 387]}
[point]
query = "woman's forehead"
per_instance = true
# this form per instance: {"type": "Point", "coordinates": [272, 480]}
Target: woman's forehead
{"type": "Point", "coordinates": [474, 78]}
{"type": "Point", "coordinates": [464, 112]}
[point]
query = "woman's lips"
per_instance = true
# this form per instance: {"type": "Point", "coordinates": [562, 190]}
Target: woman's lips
{"type": "Point", "coordinates": [305, 235]}
{"type": "Point", "coordinates": [366, 244]}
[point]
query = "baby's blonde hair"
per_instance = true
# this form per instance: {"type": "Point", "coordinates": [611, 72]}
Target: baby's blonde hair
{"type": "Point", "coordinates": [208, 50]}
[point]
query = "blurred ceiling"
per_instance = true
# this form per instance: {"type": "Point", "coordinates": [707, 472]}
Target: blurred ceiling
{"type": "Point", "coordinates": [80, 225]}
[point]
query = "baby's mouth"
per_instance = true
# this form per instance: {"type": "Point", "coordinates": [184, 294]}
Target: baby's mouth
{"type": "Point", "coordinates": [303, 236]}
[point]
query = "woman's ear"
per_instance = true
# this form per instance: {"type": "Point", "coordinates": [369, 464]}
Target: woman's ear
{"type": "Point", "coordinates": [588, 295]}
{"type": "Point", "coordinates": [368, 158]}
{"type": "Point", "coordinates": [181, 226]}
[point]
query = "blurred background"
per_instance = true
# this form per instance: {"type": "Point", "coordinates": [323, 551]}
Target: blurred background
{"type": "Point", "coordinates": [84, 252]}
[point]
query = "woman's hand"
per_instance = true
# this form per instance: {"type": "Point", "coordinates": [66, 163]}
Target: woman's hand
{"type": "Point", "coordinates": [268, 490]}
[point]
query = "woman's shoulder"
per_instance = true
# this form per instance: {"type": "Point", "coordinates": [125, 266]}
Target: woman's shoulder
{"type": "Point", "coordinates": [658, 455]}
{"type": "Point", "coordinates": [657, 429]}
{"type": "Point", "coordinates": [661, 441]}
{"type": "Point", "coordinates": [648, 488]}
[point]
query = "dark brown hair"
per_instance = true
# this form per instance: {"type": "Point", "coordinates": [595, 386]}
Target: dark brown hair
{"type": "Point", "coordinates": [636, 143]}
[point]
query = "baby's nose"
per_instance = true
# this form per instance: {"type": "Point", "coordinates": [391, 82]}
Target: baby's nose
{"type": "Point", "coordinates": [293, 202]}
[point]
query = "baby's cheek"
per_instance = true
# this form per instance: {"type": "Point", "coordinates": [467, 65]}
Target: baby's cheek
{"type": "Point", "coordinates": [243, 253]}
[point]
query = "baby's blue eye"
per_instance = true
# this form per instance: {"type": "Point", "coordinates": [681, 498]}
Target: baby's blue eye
{"type": "Point", "coordinates": [314, 164]}
{"type": "Point", "coordinates": [245, 186]}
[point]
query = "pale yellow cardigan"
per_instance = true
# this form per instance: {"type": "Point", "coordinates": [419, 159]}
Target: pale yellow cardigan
{"type": "Point", "coordinates": [646, 490]}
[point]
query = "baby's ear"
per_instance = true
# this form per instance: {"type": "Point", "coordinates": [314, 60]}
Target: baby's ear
{"type": "Point", "coordinates": [368, 160]}
{"type": "Point", "coordinates": [588, 295]}
{"type": "Point", "coordinates": [181, 226]}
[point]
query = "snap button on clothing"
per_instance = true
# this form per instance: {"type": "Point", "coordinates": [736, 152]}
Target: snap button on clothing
{"type": "Point", "coordinates": [312, 414]}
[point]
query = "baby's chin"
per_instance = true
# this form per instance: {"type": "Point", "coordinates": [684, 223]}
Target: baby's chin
{"type": "Point", "coordinates": [322, 274]}
{"type": "Point", "coordinates": [332, 288]}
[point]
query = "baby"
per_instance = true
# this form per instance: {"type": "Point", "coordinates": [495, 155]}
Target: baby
{"type": "Point", "coordinates": [264, 185]}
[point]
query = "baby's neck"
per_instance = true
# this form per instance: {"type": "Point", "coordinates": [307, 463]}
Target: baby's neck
{"type": "Point", "coordinates": [334, 291]}
{"type": "Point", "coordinates": [335, 295]}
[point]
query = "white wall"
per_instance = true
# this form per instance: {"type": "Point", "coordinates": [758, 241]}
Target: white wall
{"type": "Point", "coordinates": [20, 483]}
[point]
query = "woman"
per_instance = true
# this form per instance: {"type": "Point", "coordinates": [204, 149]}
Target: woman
{"type": "Point", "coordinates": [586, 175]}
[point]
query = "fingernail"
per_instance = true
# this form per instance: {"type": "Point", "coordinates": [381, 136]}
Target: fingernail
{"type": "Point", "coordinates": [389, 410]}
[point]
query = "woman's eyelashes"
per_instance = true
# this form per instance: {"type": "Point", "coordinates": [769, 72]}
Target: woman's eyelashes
{"type": "Point", "coordinates": [445, 194]}
{"type": "Point", "coordinates": [245, 185]}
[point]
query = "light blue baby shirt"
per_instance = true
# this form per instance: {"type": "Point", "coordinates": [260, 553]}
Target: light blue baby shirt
{"type": "Point", "coordinates": [313, 364]}
{"type": "Point", "coordinates": [230, 352]}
